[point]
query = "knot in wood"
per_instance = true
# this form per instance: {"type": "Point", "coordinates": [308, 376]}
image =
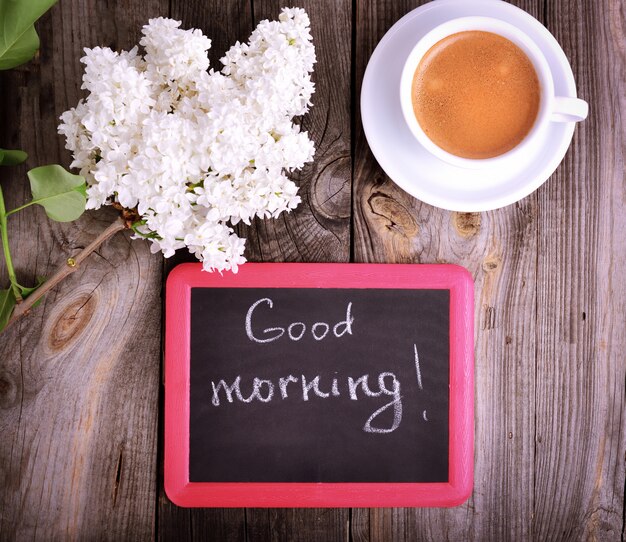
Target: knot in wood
{"type": "Point", "coordinates": [466, 224]}
{"type": "Point", "coordinates": [491, 263]}
{"type": "Point", "coordinates": [71, 320]}
{"type": "Point", "coordinates": [331, 191]}
{"type": "Point", "coordinates": [8, 390]}
{"type": "Point", "coordinates": [398, 217]}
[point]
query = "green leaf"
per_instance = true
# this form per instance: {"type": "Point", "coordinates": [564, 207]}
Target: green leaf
{"type": "Point", "coordinates": [7, 302]}
{"type": "Point", "coordinates": [21, 51]}
{"type": "Point", "coordinates": [60, 193]}
{"type": "Point", "coordinates": [18, 38]}
{"type": "Point", "coordinates": [27, 291]}
{"type": "Point", "coordinates": [12, 158]}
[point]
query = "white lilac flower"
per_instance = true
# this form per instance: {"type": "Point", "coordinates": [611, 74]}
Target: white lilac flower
{"type": "Point", "coordinates": [196, 151]}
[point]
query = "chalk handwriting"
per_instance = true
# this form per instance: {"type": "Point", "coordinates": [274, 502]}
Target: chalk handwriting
{"type": "Point", "coordinates": [317, 325]}
{"type": "Point", "coordinates": [290, 331]}
{"type": "Point", "coordinates": [235, 388]}
{"type": "Point", "coordinates": [295, 330]}
{"type": "Point", "coordinates": [396, 403]}
{"type": "Point", "coordinates": [282, 384]}
{"type": "Point", "coordinates": [417, 367]}
{"type": "Point", "coordinates": [281, 331]}
{"type": "Point", "coordinates": [314, 384]}
{"type": "Point", "coordinates": [263, 391]}
{"type": "Point", "coordinates": [335, 388]}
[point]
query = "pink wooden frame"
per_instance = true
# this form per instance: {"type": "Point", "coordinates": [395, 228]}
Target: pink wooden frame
{"type": "Point", "coordinates": [296, 275]}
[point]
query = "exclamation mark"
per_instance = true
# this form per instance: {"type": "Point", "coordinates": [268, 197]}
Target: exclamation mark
{"type": "Point", "coordinates": [419, 375]}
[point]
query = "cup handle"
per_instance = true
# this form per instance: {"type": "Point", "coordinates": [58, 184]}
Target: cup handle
{"type": "Point", "coordinates": [569, 109]}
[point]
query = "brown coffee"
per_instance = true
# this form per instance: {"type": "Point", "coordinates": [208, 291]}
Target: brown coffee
{"type": "Point", "coordinates": [475, 94]}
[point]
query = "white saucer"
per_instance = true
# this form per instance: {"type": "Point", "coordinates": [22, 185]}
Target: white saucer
{"type": "Point", "coordinates": [413, 168]}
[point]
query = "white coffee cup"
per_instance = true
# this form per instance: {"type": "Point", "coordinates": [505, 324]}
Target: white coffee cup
{"type": "Point", "coordinates": [551, 108]}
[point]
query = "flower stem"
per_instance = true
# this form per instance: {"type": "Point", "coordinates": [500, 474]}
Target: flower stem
{"type": "Point", "coordinates": [66, 269]}
{"type": "Point", "coordinates": [4, 234]}
{"type": "Point", "coordinates": [19, 208]}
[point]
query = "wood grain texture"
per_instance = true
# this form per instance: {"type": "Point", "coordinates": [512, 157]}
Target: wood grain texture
{"type": "Point", "coordinates": [79, 377]}
{"type": "Point", "coordinates": [298, 525]}
{"type": "Point", "coordinates": [581, 290]}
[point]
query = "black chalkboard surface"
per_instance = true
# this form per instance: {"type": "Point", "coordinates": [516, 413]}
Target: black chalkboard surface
{"type": "Point", "coordinates": [319, 385]}
{"type": "Point", "coordinates": [318, 373]}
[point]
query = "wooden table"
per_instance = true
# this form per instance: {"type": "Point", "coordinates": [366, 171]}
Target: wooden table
{"type": "Point", "coordinates": [80, 379]}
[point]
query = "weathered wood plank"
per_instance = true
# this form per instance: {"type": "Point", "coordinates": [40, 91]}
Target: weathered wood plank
{"type": "Point", "coordinates": [360, 524]}
{"type": "Point", "coordinates": [218, 524]}
{"type": "Point", "coordinates": [581, 336]}
{"type": "Point", "coordinates": [499, 249]}
{"type": "Point", "coordinates": [301, 525]}
{"type": "Point", "coordinates": [79, 377]}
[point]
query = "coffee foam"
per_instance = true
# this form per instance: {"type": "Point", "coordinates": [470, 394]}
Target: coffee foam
{"type": "Point", "coordinates": [476, 94]}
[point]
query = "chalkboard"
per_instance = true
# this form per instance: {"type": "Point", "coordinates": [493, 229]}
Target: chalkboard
{"type": "Point", "coordinates": [318, 384]}
{"type": "Point", "coordinates": [310, 416]}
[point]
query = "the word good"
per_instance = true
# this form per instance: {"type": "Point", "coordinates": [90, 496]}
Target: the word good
{"type": "Point", "coordinates": [295, 330]}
